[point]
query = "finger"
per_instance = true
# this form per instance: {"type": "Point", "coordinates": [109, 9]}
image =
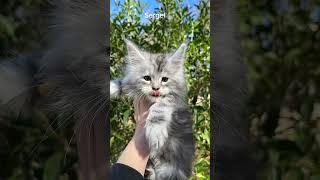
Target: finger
{"type": "Point", "coordinates": [140, 102]}
{"type": "Point", "coordinates": [146, 104]}
{"type": "Point", "coordinates": [145, 114]}
{"type": "Point", "coordinates": [135, 103]}
{"type": "Point", "coordinates": [136, 109]}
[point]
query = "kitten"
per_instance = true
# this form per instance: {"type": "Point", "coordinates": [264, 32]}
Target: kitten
{"type": "Point", "coordinates": [160, 79]}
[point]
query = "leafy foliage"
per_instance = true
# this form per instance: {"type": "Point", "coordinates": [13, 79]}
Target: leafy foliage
{"type": "Point", "coordinates": [281, 42]}
{"type": "Point", "coordinates": [163, 35]}
{"type": "Point", "coordinates": [21, 25]}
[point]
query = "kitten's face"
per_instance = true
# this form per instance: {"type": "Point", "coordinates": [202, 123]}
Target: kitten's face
{"type": "Point", "coordinates": [154, 75]}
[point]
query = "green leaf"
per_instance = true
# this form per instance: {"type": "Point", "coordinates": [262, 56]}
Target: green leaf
{"type": "Point", "coordinates": [315, 177]}
{"type": "Point", "coordinates": [52, 167]}
{"type": "Point", "coordinates": [294, 174]}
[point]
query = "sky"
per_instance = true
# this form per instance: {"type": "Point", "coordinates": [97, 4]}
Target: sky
{"type": "Point", "coordinates": [150, 5]}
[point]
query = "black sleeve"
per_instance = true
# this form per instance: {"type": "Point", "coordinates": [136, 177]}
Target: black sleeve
{"type": "Point", "coordinates": [124, 172]}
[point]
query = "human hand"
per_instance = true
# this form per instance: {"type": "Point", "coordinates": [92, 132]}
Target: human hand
{"type": "Point", "coordinates": [141, 110]}
{"type": "Point", "coordinates": [136, 153]}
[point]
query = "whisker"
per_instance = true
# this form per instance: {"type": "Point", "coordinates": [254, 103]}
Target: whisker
{"type": "Point", "coordinates": [46, 136]}
{"type": "Point", "coordinates": [82, 119]}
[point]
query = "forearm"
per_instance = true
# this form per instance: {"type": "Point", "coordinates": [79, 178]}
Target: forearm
{"type": "Point", "coordinates": [136, 154]}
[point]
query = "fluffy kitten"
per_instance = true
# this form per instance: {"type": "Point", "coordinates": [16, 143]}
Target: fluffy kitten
{"type": "Point", "coordinates": [160, 79]}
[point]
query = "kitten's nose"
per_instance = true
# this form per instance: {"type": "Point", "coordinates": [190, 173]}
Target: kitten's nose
{"type": "Point", "coordinates": [155, 88]}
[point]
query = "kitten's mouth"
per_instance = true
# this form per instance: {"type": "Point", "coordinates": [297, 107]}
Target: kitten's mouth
{"type": "Point", "coordinates": [155, 93]}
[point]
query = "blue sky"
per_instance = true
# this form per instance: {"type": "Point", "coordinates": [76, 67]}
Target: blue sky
{"type": "Point", "coordinates": [150, 5]}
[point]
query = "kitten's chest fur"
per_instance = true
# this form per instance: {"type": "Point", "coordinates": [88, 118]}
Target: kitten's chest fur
{"type": "Point", "coordinates": [168, 130]}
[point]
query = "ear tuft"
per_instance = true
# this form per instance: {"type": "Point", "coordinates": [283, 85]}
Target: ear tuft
{"type": "Point", "coordinates": [179, 55]}
{"type": "Point", "coordinates": [134, 53]}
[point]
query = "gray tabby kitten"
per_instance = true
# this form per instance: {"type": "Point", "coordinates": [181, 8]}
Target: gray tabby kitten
{"type": "Point", "coordinates": [160, 79]}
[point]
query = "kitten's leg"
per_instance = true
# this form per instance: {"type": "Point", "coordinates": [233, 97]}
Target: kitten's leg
{"type": "Point", "coordinates": [151, 174]}
{"type": "Point", "coordinates": [157, 126]}
{"type": "Point", "coordinates": [169, 172]}
{"type": "Point", "coordinates": [175, 157]}
{"type": "Point", "coordinates": [176, 160]}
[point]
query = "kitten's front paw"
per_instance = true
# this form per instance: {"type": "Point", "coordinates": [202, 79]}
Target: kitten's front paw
{"type": "Point", "coordinates": [156, 134]}
{"type": "Point", "coordinates": [115, 88]}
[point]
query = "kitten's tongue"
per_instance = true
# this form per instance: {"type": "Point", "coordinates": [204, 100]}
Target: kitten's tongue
{"type": "Point", "coordinates": [155, 93]}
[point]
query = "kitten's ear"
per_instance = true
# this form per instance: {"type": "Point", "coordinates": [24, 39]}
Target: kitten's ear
{"type": "Point", "coordinates": [179, 55]}
{"type": "Point", "coordinates": [134, 53]}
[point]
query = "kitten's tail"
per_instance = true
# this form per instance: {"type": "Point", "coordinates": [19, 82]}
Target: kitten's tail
{"type": "Point", "coordinates": [115, 88]}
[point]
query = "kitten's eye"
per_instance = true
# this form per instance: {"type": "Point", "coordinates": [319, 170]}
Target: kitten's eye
{"type": "Point", "coordinates": [147, 78]}
{"type": "Point", "coordinates": [164, 79]}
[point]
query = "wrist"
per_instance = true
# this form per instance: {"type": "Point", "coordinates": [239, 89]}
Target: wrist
{"type": "Point", "coordinates": [141, 144]}
{"type": "Point", "coordinates": [135, 155]}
